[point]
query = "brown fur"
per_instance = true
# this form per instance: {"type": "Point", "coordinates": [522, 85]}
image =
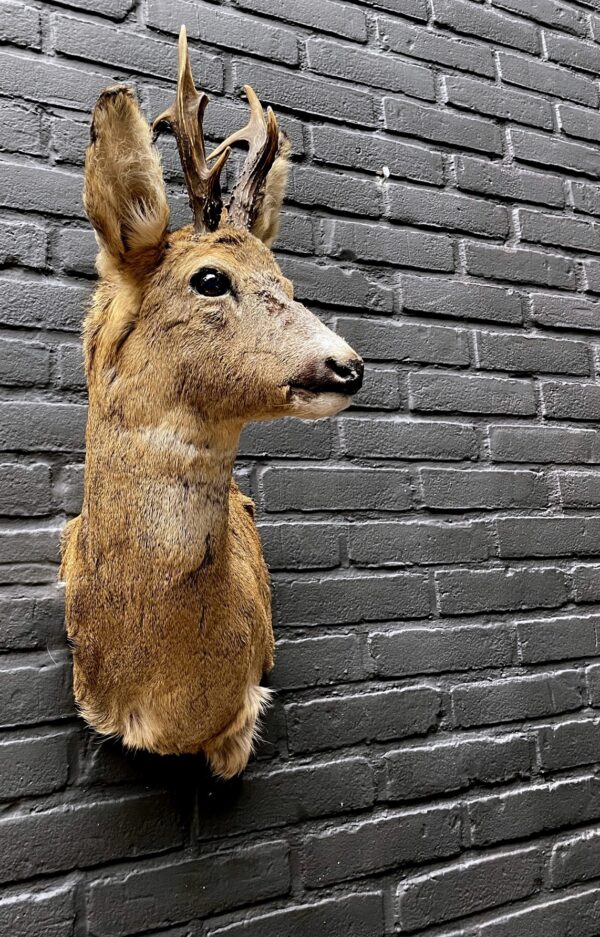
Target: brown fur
{"type": "Point", "coordinates": [167, 593]}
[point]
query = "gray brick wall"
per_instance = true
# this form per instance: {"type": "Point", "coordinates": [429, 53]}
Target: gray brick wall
{"type": "Point", "coordinates": [430, 765]}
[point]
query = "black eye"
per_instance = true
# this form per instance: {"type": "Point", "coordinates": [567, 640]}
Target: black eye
{"type": "Point", "coordinates": [210, 282]}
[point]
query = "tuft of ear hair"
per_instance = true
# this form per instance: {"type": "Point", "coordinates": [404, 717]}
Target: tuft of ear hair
{"type": "Point", "coordinates": [124, 191]}
{"type": "Point", "coordinates": [266, 226]}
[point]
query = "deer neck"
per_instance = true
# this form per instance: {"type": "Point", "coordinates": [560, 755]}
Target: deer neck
{"type": "Point", "coordinates": [171, 478]}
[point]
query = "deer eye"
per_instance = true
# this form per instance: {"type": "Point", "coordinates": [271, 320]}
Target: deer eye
{"type": "Point", "coordinates": [210, 282]}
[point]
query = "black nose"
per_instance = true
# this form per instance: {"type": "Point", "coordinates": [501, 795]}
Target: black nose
{"type": "Point", "coordinates": [346, 376]}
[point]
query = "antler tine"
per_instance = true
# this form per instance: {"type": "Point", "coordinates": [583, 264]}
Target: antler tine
{"type": "Point", "coordinates": [184, 119]}
{"type": "Point", "coordinates": [262, 136]}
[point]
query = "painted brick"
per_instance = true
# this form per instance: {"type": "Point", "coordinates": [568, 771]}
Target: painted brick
{"type": "Point", "coordinates": [457, 299]}
{"type": "Point", "coordinates": [331, 489]}
{"type": "Point", "coordinates": [528, 353]}
{"type": "Point", "coordinates": [461, 592]}
{"type": "Point", "coordinates": [491, 178]}
{"type": "Point", "coordinates": [414, 438]}
{"type": "Point", "coordinates": [490, 489]}
{"type": "Point", "coordinates": [418, 770]}
{"type": "Point", "coordinates": [355, 64]}
{"type": "Point", "coordinates": [399, 36]}
{"type": "Point", "coordinates": [441, 126]}
{"type": "Point", "coordinates": [371, 153]}
{"type": "Point", "coordinates": [353, 915]}
{"type": "Point", "coordinates": [437, 650]}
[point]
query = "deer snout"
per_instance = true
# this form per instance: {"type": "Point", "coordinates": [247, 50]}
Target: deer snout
{"type": "Point", "coordinates": [337, 375]}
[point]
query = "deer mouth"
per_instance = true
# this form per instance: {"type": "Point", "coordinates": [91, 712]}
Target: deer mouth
{"type": "Point", "coordinates": [315, 403]}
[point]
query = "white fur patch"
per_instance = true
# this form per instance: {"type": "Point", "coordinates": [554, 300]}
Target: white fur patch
{"type": "Point", "coordinates": [168, 440]}
{"type": "Point", "coordinates": [309, 406]}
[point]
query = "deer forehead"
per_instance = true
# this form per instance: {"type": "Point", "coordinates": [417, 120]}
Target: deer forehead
{"type": "Point", "coordinates": [230, 249]}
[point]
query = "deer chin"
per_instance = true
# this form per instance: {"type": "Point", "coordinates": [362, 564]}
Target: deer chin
{"type": "Point", "coordinates": [316, 405]}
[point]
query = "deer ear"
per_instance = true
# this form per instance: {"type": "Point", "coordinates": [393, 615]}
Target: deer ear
{"type": "Point", "coordinates": [266, 225]}
{"type": "Point", "coordinates": [124, 191]}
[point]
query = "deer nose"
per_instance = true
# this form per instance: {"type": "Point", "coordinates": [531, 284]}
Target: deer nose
{"type": "Point", "coordinates": [346, 376]}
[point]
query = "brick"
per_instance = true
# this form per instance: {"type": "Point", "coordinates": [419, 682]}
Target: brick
{"type": "Point", "coordinates": [582, 906]}
{"type": "Point", "coordinates": [381, 390]}
{"type": "Point", "coordinates": [26, 489]}
{"type": "Point", "coordinates": [290, 795]}
{"type": "Point", "coordinates": [579, 122]}
{"type": "Point", "coordinates": [539, 807]}
{"type": "Point", "coordinates": [585, 198]}
{"type": "Point", "coordinates": [69, 138]}
{"type": "Point", "coordinates": [338, 191]}
{"type": "Point", "coordinates": [115, 9]}
{"type": "Point", "coordinates": [21, 545]}
{"type": "Point", "coordinates": [22, 243]}
{"type": "Point", "coordinates": [351, 599]}
{"type": "Point", "coordinates": [579, 489]}
{"type": "Point", "coordinates": [34, 303]}
{"type": "Point", "coordinates": [575, 858]}
{"type": "Point", "coordinates": [34, 689]}
{"type": "Point", "coordinates": [424, 770]}
{"type": "Point", "coordinates": [592, 276]}
{"type": "Point", "coordinates": [301, 545]}
{"type": "Point", "coordinates": [23, 363]}
{"type": "Point", "coordinates": [304, 93]}
{"type": "Point", "coordinates": [415, 439]}
{"type": "Point", "coordinates": [355, 240]}
{"type": "Point", "coordinates": [516, 698]}
{"type": "Point", "coordinates": [54, 427]}
{"type": "Point", "coordinates": [436, 391]}
{"type": "Point", "coordinates": [76, 250]}
{"type": "Point", "coordinates": [20, 129]}
{"type": "Point", "coordinates": [586, 583]}
{"type": "Point", "coordinates": [30, 188]}
{"type": "Point", "coordinates": [430, 46]}
{"type": "Point", "coordinates": [558, 638]}
{"type": "Point", "coordinates": [337, 286]}
{"type": "Point", "coordinates": [491, 178]}
{"type": "Point", "coordinates": [462, 592]}
{"type": "Point", "coordinates": [489, 489]}
{"type": "Point", "coordinates": [160, 895]}
{"type": "Point", "coordinates": [33, 764]}
{"type": "Point", "coordinates": [34, 621]}
{"type": "Point", "coordinates": [126, 49]}
{"type": "Point", "coordinates": [328, 16]}
{"type": "Point", "coordinates": [207, 23]}
{"type": "Point", "coordinates": [568, 744]}
{"type": "Point", "coordinates": [496, 101]}
{"type": "Point", "coordinates": [20, 24]}
{"type": "Point", "coordinates": [485, 23]}
{"type": "Point", "coordinates": [323, 661]}
{"type": "Point", "coordinates": [335, 489]}
{"type": "Point", "coordinates": [561, 232]}
{"type": "Point", "coordinates": [371, 153]}
{"type": "Point", "coordinates": [520, 265]}
{"type": "Point", "coordinates": [337, 721]}
{"type": "Point", "coordinates": [430, 123]}
{"type": "Point", "coordinates": [72, 488]}
{"type": "Point", "coordinates": [460, 299]}
{"type": "Point", "coordinates": [287, 438]}
{"type": "Point", "coordinates": [406, 341]}
{"type": "Point", "coordinates": [528, 354]}
{"type": "Point", "coordinates": [549, 79]}
{"type": "Point", "coordinates": [375, 845]}
{"type": "Point", "coordinates": [39, 913]}
{"type": "Point", "coordinates": [68, 836]}
{"type": "Point", "coordinates": [570, 400]}
{"type": "Point", "coordinates": [552, 151]}
{"type": "Point", "coordinates": [548, 536]}
{"type": "Point", "coordinates": [374, 68]}
{"type": "Point", "coordinates": [543, 444]}
{"type": "Point", "coordinates": [354, 915]}
{"type": "Point", "coordinates": [400, 543]}
{"type": "Point", "coordinates": [468, 886]}
{"type": "Point", "coordinates": [70, 367]}
{"type": "Point", "coordinates": [565, 312]}
{"type": "Point", "coordinates": [50, 81]}
{"type": "Point", "coordinates": [437, 650]}
{"type": "Point", "coordinates": [573, 52]}
{"type": "Point", "coordinates": [421, 206]}
{"type": "Point", "coordinates": [414, 9]}
{"type": "Point", "coordinates": [550, 13]}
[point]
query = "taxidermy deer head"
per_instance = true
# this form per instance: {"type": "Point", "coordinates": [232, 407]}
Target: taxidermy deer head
{"type": "Point", "coordinates": [191, 335]}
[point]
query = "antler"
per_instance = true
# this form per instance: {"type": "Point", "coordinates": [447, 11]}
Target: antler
{"type": "Point", "coordinates": [262, 137]}
{"type": "Point", "coordinates": [184, 119]}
